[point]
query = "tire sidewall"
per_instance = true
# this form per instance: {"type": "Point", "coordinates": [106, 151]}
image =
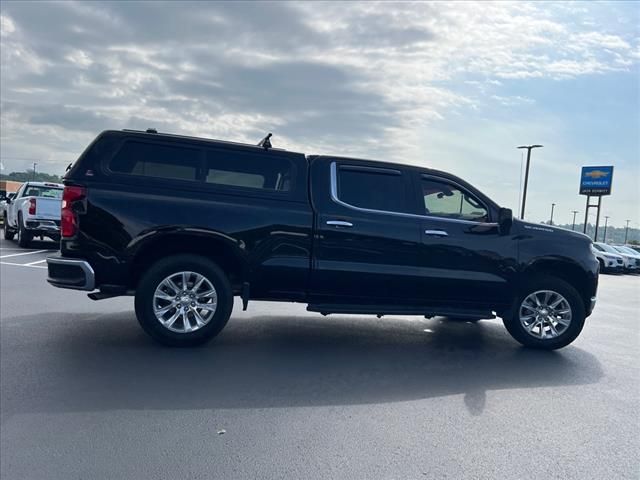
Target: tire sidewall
{"type": "Point", "coordinates": [23, 237]}
{"type": "Point", "coordinates": [162, 269]}
{"type": "Point", "coordinates": [8, 233]}
{"type": "Point", "coordinates": [517, 331]}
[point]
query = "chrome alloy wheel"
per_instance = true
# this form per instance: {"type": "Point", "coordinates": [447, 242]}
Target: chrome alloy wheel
{"type": "Point", "coordinates": [185, 302]}
{"type": "Point", "coordinates": [545, 314]}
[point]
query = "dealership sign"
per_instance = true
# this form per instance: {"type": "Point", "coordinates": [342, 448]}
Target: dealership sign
{"type": "Point", "coordinates": [596, 181]}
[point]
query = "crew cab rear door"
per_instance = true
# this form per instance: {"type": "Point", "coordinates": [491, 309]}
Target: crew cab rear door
{"type": "Point", "coordinates": [464, 260]}
{"type": "Point", "coordinates": [366, 245]}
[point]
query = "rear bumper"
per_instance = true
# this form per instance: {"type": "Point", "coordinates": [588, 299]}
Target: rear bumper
{"type": "Point", "coordinates": [70, 273]}
{"type": "Point", "coordinates": [44, 227]}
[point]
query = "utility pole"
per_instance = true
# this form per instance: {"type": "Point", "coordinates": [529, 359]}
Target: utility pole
{"type": "Point", "coordinates": [626, 232]}
{"type": "Point", "coordinates": [552, 207]}
{"type": "Point", "coordinates": [573, 227]}
{"type": "Point", "coordinates": [34, 171]}
{"type": "Point", "coordinates": [526, 175]}
{"type": "Point", "coordinates": [604, 237]}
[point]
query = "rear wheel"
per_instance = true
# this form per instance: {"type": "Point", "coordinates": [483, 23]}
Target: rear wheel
{"type": "Point", "coordinates": [8, 232]}
{"type": "Point", "coordinates": [24, 237]}
{"type": "Point", "coordinates": [183, 300]}
{"type": "Point", "coordinates": [547, 314]}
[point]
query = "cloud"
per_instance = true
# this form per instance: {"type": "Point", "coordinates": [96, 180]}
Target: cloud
{"type": "Point", "coordinates": [362, 78]}
{"type": "Point", "coordinates": [7, 26]}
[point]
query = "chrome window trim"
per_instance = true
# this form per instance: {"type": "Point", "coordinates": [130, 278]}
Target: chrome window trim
{"type": "Point", "coordinates": [334, 197]}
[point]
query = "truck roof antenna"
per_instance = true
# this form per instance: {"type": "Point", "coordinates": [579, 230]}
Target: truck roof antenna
{"type": "Point", "coordinates": [265, 142]}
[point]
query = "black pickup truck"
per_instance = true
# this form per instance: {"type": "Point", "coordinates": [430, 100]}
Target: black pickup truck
{"type": "Point", "coordinates": [185, 224]}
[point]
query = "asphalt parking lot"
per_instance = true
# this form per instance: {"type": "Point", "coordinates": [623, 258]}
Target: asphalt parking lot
{"type": "Point", "coordinates": [283, 393]}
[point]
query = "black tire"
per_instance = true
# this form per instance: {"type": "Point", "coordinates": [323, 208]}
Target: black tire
{"type": "Point", "coordinates": [8, 233]}
{"type": "Point", "coordinates": [24, 237]}
{"type": "Point", "coordinates": [512, 323]}
{"type": "Point", "coordinates": [174, 264]}
{"type": "Point", "coordinates": [602, 267]}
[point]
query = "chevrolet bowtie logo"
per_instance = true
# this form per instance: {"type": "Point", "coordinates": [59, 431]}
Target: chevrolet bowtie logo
{"type": "Point", "coordinates": [596, 174]}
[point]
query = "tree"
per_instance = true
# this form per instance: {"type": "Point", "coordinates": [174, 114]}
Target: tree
{"type": "Point", "coordinates": [28, 175]}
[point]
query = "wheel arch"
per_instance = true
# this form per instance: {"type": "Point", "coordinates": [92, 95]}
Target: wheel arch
{"type": "Point", "coordinates": [564, 269]}
{"type": "Point", "coordinates": [225, 251]}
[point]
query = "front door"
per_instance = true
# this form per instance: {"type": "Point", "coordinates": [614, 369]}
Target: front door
{"type": "Point", "coordinates": [464, 259]}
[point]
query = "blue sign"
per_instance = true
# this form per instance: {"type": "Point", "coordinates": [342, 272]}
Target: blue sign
{"type": "Point", "coordinates": [596, 181]}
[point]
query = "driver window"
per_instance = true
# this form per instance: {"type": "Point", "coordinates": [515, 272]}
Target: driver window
{"type": "Point", "coordinates": [443, 199]}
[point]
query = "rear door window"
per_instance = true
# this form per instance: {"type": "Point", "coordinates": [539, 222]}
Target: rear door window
{"type": "Point", "coordinates": [157, 160]}
{"type": "Point", "coordinates": [373, 188]}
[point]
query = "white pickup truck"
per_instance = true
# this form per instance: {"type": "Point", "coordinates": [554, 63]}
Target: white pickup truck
{"type": "Point", "coordinates": [33, 212]}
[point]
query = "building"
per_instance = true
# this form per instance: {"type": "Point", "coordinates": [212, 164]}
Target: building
{"type": "Point", "coordinates": [8, 186]}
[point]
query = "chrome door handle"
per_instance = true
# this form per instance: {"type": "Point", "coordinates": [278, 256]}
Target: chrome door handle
{"type": "Point", "coordinates": [436, 233]}
{"type": "Point", "coordinates": [339, 223]}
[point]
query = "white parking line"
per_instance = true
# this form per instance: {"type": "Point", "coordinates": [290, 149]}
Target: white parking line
{"type": "Point", "coordinates": [23, 253]}
{"type": "Point", "coordinates": [33, 263]}
{"type": "Point", "coordinates": [21, 265]}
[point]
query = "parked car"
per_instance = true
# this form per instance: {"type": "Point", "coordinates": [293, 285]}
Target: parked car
{"type": "Point", "coordinates": [185, 224]}
{"type": "Point", "coordinates": [33, 212]}
{"type": "Point", "coordinates": [610, 261]}
{"type": "Point", "coordinates": [631, 257]}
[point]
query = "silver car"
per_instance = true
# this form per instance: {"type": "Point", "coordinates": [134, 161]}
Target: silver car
{"type": "Point", "coordinates": [630, 256]}
{"type": "Point", "coordinates": [610, 260]}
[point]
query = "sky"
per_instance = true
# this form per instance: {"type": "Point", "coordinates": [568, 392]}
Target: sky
{"type": "Point", "coordinates": [453, 86]}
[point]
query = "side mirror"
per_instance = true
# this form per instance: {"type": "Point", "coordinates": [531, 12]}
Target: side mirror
{"type": "Point", "coordinates": [505, 220]}
{"type": "Point", "coordinates": [8, 200]}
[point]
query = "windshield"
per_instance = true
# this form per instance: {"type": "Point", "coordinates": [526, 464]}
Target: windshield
{"type": "Point", "coordinates": [607, 248]}
{"type": "Point", "coordinates": [626, 250]}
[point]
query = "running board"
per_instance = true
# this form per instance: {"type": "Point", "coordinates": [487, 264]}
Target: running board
{"type": "Point", "coordinates": [380, 310]}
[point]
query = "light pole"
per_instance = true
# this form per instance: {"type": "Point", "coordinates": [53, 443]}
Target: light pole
{"type": "Point", "coordinates": [604, 237]}
{"type": "Point", "coordinates": [626, 231]}
{"type": "Point", "coordinates": [552, 207]}
{"type": "Point", "coordinates": [573, 227]}
{"type": "Point", "coordinates": [34, 171]}
{"type": "Point", "coordinates": [526, 175]}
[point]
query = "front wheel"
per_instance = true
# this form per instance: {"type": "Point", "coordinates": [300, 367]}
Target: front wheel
{"type": "Point", "coordinates": [183, 300]}
{"type": "Point", "coordinates": [548, 314]}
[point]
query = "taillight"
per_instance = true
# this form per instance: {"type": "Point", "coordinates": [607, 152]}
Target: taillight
{"type": "Point", "coordinates": [69, 217]}
{"type": "Point", "coordinates": [32, 206]}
